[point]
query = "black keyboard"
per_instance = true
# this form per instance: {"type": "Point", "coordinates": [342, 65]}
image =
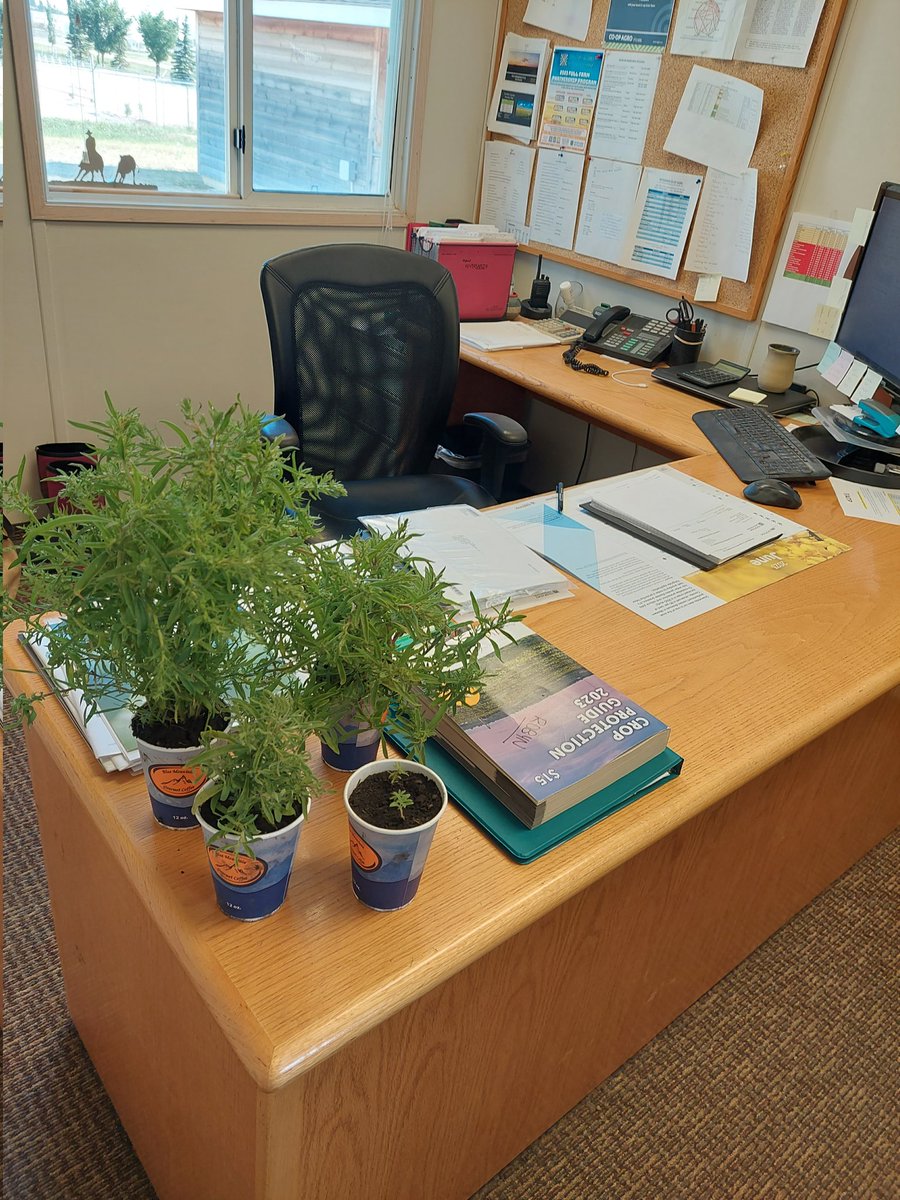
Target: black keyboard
{"type": "Point", "coordinates": [755, 446]}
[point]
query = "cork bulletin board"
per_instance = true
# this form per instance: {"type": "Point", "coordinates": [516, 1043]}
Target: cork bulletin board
{"type": "Point", "coordinates": [789, 105]}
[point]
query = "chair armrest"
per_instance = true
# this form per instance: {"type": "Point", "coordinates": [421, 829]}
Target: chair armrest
{"type": "Point", "coordinates": [499, 428]}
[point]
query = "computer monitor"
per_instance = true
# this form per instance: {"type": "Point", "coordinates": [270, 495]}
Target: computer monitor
{"type": "Point", "coordinates": [870, 326]}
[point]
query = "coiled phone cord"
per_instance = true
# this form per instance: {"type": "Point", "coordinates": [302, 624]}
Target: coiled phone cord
{"type": "Point", "coordinates": [571, 357]}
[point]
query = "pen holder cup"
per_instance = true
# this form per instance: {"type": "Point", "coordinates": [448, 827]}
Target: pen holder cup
{"type": "Point", "coordinates": [685, 347]}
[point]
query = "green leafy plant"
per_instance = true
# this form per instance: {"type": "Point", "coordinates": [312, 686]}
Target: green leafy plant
{"type": "Point", "coordinates": [401, 800]}
{"type": "Point", "coordinates": [259, 770]}
{"type": "Point", "coordinates": [380, 639]}
{"type": "Point", "coordinates": [169, 562]}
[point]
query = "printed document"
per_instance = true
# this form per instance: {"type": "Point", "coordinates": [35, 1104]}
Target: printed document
{"type": "Point", "coordinates": [680, 508]}
{"type": "Point", "coordinates": [707, 28]}
{"type": "Point", "coordinates": [717, 121]}
{"type": "Point", "coordinates": [517, 93]}
{"type": "Point", "coordinates": [505, 183]}
{"type": "Point", "coordinates": [554, 201]}
{"type": "Point", "coordinates": [568, 17]}
{"type": "Point", "coordinates": [660, 222]}
{"type": "Point", "coordinates": [477, 556]}
{"type": "Point", "coordinates": [870, 503]}
{"type": "Point", "coordinates": [606, 207]}
{"type": "Point", "coordinates": [627, 88]}
{"type": "Point", "coordinates": [638, 25]}
{"type": "Point", "coordinates": [569, 103]}
{"type": "Point", "coordinates": [723, 230]}
{"type": "Point", "coordinates": [663, 589]}
{"type": "Point", "coordinates": [779, 32]}
{"type": "Point", "coordinates": [810, 259]}
{"type": "Point", "coordinates": [503, 335]}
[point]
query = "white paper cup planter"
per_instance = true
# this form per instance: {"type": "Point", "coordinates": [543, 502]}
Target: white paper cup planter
{"type": "Point", "coordinates": [387, 864]}
{"type": "Point", "coordinates": [357, 746]}
{"type": "Point", "coordinates": [172, 782]}
{"type": "Point", "coordinates": [250, 887]}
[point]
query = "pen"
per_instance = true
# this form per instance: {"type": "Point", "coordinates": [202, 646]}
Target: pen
{"type": "Point", "coordinates": [559, 497]}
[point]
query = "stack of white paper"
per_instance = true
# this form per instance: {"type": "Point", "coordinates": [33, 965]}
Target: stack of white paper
{"type": "Point", "coordinates": [108, 733]}
{"type": "Point", "coordinates": [503, 335]}
{"type": "Point", "coordinates": [477, 557]}
{"type": "Point", "coordinates": [463, 233]}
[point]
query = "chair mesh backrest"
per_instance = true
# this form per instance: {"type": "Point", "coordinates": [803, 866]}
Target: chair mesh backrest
{"type": "Point", "coordinates": [365, 368]}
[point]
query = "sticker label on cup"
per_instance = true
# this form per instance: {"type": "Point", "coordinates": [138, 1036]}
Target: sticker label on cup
{"type": "Point", "coordinates": [240, 873]}
{"type": "Point", "coordinates": [178, 780]}
{"type": "Point", "coordinates": [362, 853]}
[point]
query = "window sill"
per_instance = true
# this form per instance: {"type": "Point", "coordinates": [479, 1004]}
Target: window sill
{"type": "Point", "coordinates": [172, 209]}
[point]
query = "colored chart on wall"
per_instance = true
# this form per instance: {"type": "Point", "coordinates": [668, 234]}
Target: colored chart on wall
{"type": "Point", "coordinates": [815, 254]}
{"type": "Point", "coordinates": [810, 259]}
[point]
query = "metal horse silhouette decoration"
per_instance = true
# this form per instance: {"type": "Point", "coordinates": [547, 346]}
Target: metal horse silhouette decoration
{"type": "Point", "coordinates": [127, 166]}
{"type": "Point", "coordinates": [91, 162]}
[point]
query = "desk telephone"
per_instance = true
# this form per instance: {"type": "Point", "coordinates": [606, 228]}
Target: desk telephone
{"type": "Point", "coordinates": [622, 334]}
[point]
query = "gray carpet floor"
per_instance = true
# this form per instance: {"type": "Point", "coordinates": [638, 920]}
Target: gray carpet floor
{"type": "Point", "coordinates": [779, 1084]}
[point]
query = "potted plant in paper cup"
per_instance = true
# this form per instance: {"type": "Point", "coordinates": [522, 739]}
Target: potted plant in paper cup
{"type": "Point", "coordinates": [157, 563]}
{"type": "Point", "coordinates": [377, 633]}
{"type": "Point", "coordinates": [385, 650]}
{"type": "Point", "coordinates": [393, 808]}
{"type": "Point", "coordinates": [255, 801]}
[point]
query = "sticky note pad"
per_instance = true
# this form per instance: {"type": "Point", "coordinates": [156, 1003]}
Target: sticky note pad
{"type": "Point", "coordinates": [746, 394]}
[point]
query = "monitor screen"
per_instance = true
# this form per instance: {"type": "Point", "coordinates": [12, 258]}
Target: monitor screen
{"type": "Point", "coordinates": [870, 326]}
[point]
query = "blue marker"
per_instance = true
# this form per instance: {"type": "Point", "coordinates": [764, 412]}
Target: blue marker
{"type": "Point", "coordinates": [559, 497]}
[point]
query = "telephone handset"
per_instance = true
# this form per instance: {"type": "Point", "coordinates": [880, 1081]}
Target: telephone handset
{"type": "Point", "coordinates": [621, 334]}
{"type": "Point", "coordinates": [608, 317]}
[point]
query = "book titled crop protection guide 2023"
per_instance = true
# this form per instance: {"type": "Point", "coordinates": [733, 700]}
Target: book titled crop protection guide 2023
{"type": "Point", "coordinates": [544, 733]}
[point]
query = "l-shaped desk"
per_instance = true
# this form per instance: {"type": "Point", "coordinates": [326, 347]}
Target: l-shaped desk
{"type": "Point", "coordinates": [656, 417]}
{"type": "Point", "coordinates": [332, 1051]}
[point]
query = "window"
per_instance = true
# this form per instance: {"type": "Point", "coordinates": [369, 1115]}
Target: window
{"type": "Point", "coordinates": [244, 106]}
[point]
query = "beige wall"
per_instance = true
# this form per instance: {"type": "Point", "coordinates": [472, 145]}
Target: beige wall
{"type": "Point", "coordinates": [152, 313]}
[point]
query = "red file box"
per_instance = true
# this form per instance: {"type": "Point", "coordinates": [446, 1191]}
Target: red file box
{"type": "Point", "coordinates": [482, 271]}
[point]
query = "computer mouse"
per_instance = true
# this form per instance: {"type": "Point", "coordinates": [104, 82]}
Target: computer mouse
{"type": "Point", "coordinates": [774, 492]}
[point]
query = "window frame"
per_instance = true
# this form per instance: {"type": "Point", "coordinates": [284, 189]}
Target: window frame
{"type": "Point", "coordinates": [252, 208]}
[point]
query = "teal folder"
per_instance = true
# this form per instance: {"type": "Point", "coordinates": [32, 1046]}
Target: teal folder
{"type": "Point", "coordinates": [523, 844]}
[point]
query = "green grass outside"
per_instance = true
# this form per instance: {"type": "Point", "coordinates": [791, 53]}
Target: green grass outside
{"type": "Point", "coordinates": [168, 149]}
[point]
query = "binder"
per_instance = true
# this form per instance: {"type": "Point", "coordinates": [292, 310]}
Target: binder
{"type": "Point", "coordinates": [653, 537]}
{"type": "Point", "coordinates": [524, 845]}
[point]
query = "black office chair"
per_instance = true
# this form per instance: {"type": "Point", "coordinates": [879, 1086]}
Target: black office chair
{"type": "Point", "coordinates": [365, 353]}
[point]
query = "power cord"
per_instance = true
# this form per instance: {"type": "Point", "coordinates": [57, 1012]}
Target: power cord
{"type": "Point", "coordinates": [587, 442]}
{"type": "Point", "coordinates": [624, 382]}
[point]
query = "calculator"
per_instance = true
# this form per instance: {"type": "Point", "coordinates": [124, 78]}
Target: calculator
{"type": "Point", "coordinates": [713, 374]}
{"type": "Point", "coordinates": [563, 331]}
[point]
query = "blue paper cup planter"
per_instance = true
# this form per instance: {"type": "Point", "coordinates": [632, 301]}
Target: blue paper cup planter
{"type": "Point", "coordinates": [357, 745]}
{"type": "Point", "coordinates": [386, 864]}
{"type": "Point", "coordinates": [251, 886]}
{"type": "Point", "coordinates": [172, 782]}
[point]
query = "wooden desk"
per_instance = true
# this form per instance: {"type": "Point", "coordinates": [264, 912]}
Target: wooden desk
{"type": "Point", "coordinates": [657, 417]}
{"type": "Point", "coordinates": [332, 1051]}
